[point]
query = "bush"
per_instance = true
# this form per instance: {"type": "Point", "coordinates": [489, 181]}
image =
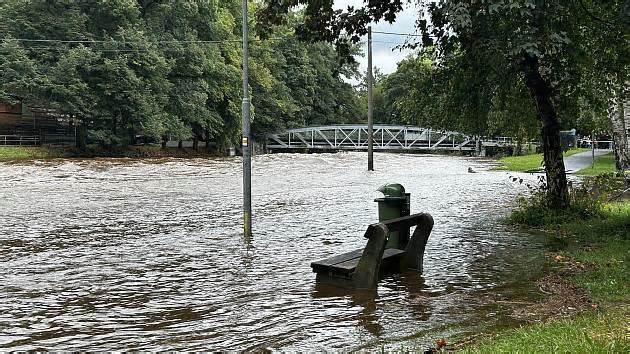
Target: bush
{"type": "Point", "coordinates": [586, 201]}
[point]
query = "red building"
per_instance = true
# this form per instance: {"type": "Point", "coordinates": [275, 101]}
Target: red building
{"type": "Point", "coordinates": [21, 125]}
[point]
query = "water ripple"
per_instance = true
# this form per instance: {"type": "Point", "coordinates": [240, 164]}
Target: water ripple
{"type": "Point", "coordinates": [123, 254]}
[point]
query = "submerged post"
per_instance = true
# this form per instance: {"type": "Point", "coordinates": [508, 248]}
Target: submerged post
{"type": "Point", "coordinates": [370, 80]}
{"type": "Point", "coordinates": [246, 141]}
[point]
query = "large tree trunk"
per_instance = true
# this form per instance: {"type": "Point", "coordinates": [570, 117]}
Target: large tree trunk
{"type": "Point", "coordinates": [626, 112]}
{"type": "Point", "coordinates": [616, 113]}
{"type": "Point", "coordinates": [557, 189]}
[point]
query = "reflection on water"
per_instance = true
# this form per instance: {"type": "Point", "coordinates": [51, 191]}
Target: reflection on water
{"type": "Point", "coordinates": [125, 254]}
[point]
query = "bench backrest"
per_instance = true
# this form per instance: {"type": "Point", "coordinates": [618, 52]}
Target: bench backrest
{"type": "Point", "coordinates": [399, 224]}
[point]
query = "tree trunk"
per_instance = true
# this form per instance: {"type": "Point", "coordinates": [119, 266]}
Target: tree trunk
{"type": "Point", "coordinates": [626, 112]}
{"type": "Point", "coordinates": [164, 141]}
{"type": "Point", "coordinates": [180, 144]}
{"type": "Point", "coordinates": [208, 148]}
{"type": "Point", "coordinates": [519, 147]}
{"type": "Point", "coordinates": [195, 143]}
{"type": "Point", "coordinates": [616, 113]}
{"type": "Point", "coordinates": [82, 137]}
{"type": "Point", "coordinates": [132, 135]}
{"type": "Point", "coordinates": [557, 189]}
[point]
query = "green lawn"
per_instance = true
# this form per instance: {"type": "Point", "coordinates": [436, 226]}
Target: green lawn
{"type": "Point", "coordinates": [603, 164]}
{"type": "Point", "coordinates": [593, 332]}
{"type": "Point", "coordinates": [14, 153]}
{"type": "Point", "coordinates": [603, 242]}
{"type": "Point", "coordinates": [528, 162]}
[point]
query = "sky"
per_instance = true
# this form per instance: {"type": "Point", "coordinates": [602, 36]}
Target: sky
{"type": "Point", "coordinates": [382, 55]}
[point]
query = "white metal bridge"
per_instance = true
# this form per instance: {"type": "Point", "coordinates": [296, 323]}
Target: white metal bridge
{"type": "Point", "coordinates": [386, 137]}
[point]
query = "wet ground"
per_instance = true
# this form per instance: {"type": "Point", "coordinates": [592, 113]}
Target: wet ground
{"type": "Point", "coordinates": [148, 255]}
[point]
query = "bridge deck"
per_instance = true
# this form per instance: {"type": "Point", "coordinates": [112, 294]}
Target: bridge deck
{"type": "Point", "coordinates": [386, 137]}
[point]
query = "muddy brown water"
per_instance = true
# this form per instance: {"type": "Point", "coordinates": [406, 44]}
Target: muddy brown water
{"type": "Point", "coordinates": [148, 255]}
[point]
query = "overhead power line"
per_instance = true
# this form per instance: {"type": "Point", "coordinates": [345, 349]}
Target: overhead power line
{"type": "Point", "coordinates": [105, 50]}
{"type": "Point", "coordinates": [62, 41]}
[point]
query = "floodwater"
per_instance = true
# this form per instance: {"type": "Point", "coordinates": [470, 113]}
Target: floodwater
{"type": "Point", "coordinates": [117, 254]}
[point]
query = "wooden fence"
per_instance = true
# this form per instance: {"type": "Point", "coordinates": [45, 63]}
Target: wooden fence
{"type": "Point", "coordinates": [19, 140]}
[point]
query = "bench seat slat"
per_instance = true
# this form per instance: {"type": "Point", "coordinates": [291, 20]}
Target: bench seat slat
{"type": "Point", "coordinates": [339, 258]}
{"type": "Point", "coordinates": [346, 263]}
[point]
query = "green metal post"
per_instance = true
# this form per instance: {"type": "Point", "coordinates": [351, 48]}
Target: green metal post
{"type": "Point", "coordinates": [394, 204]}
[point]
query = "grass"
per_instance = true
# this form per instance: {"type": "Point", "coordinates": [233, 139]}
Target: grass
{"type": "Point", "coordinates": [601, 241]}
{"type": "Point", "coordinates": [593, 332]}
{"type": "Point", "coordinates": [19, 153]}
{"type": "Point", "coordinates": [605, 243]}
{"type": "Point", "coordinates": [528, 162]}
{"type": "Point", "coordinates": [23, 153]}
{"type": "Point", "coordinates": [603, 164]}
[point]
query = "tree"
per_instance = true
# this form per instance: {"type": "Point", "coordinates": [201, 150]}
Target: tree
{"type": "Point", "coordinates": [18, 73]}
{"type": "Point", "coordinates": [606, 80]}
{"type": "Point", "coordinates": [166, 70]}
{"type": "Point", "coordinates": [296, 83]}
{"type": "Point", "coordinates": [544, 44]}
{"type": "Point", "coordinates": [618, 115]}
{"type": "Point", "coordinates": [455, 96]}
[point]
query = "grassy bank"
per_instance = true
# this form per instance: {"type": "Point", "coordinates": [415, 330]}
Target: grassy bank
{"type": "Point", "coordinates": [20, 153]}
{"type": "Point", "coordinates": [603, 164]}
{"type": "Point", "coordinates": [595, 261]}
{"type": "Point", "coordinates": [23, 153]}
{"type": "Point", "coordinates": [594, 332]}
{"type": "Point", "coordinates": [528, 162]}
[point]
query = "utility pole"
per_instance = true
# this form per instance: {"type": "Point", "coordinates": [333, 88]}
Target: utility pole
{"type": "Point", "coordinates": [246, 141]}
{"type": "Point", "coordinates": [370, 82]}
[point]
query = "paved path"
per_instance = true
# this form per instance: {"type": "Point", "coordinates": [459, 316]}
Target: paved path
{"type": "Point", "coordinates": [582, 160]}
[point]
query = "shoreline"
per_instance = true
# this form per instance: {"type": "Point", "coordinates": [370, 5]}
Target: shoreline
{"type": "Point", "coordinates": [585, 294]}
{"type": "Point", "coordinates": [28, 153]}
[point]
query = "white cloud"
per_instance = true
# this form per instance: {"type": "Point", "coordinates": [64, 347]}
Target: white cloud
{"type": "Point", "coordinates": [385, 57]}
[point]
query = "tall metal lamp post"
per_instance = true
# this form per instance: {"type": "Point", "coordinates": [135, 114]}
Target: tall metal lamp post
{"type": "Point", "coordinates": [246, 141]}
{"type": "Point", "coordinates": [370, 83]}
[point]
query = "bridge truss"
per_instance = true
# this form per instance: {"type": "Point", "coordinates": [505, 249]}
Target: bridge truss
{"type": "Point", "coordinates": [386, 137]}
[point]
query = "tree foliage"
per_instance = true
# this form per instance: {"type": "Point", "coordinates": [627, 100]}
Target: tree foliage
{"type": "Point", "coordinates": [166, 69]}
{"type": "Point", "coordinates": [492, 53]}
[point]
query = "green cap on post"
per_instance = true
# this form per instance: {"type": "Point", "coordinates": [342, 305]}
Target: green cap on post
{"type": "Point", "coordinates": [392, 190]}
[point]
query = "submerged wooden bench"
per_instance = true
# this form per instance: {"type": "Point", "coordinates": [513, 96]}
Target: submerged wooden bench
{"type": "Point", "coordinates": [362, 268]}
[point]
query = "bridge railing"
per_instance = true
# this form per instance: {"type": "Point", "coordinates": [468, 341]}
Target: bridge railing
{"type": "Point", "coordinates": [386, 137]}
{"type": "Point", "coordinates": [355, 137]}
